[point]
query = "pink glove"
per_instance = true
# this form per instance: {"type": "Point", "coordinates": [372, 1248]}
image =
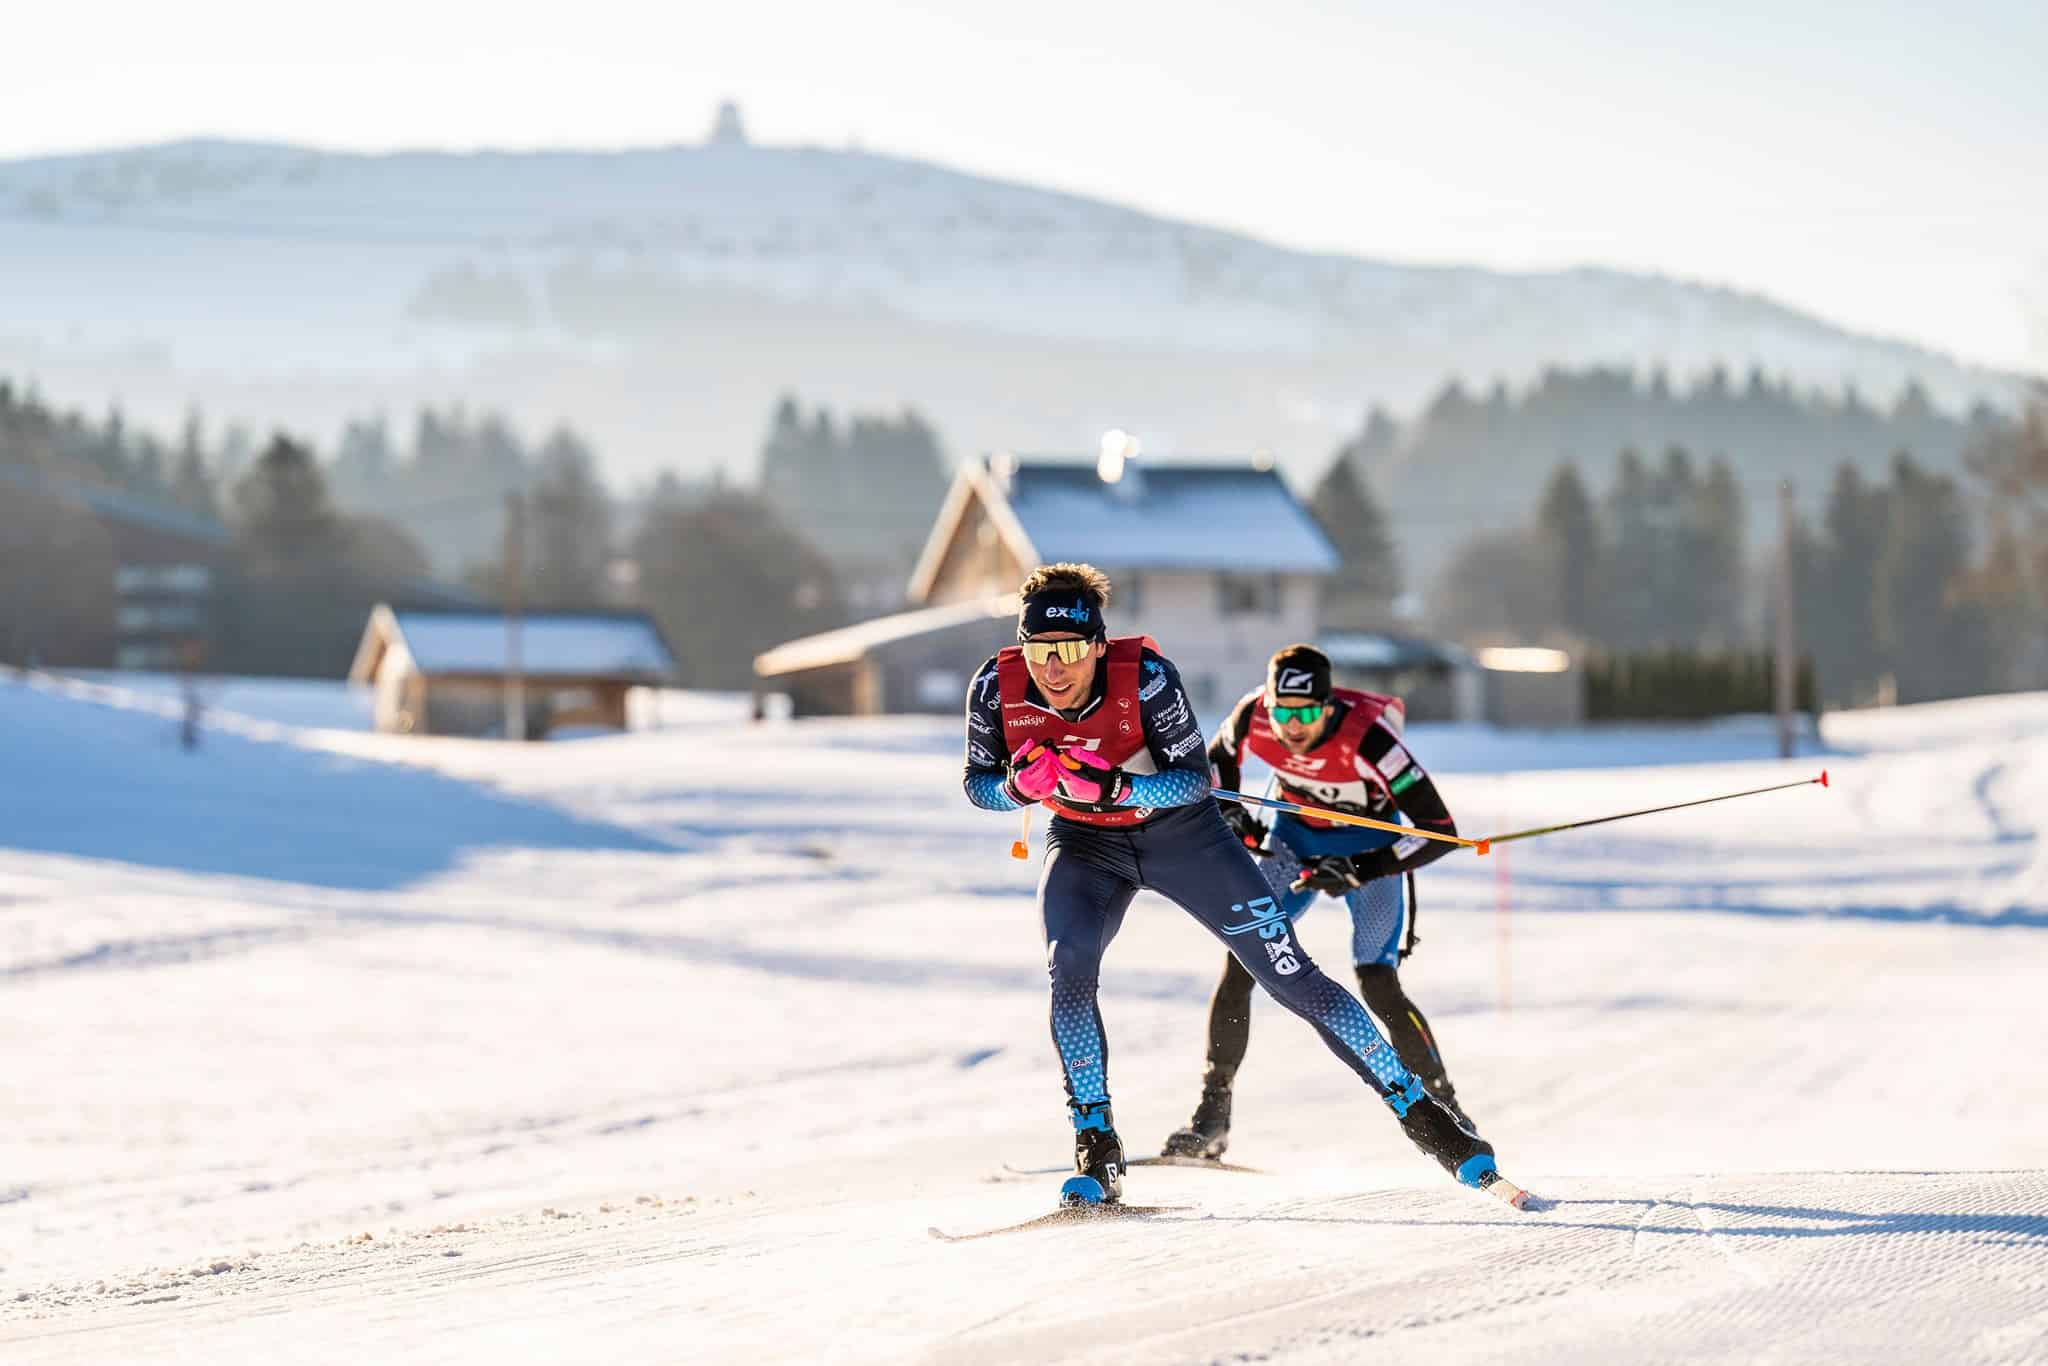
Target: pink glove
{"type": "Point", "coordinates": [1085, 776]}
{"type": "Point", "coordinates": [1035, 773]}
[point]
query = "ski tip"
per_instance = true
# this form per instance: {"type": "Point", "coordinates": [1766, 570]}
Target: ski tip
{"type": "Point", "coordinates": [1512, 1195]}
{"type": "Point", "coordinates": [1823, 780]}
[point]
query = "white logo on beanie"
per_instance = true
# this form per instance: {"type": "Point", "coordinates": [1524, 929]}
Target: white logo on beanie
{"type": "Point", "coordinates": [1295, 683]}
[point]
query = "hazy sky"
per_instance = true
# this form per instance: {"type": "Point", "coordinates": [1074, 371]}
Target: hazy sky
{"type": "Point", "coordinates": [1882, 165]}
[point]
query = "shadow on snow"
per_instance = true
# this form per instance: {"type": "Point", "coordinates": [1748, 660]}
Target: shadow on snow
{"type": "Point", "coordinates": [93, 781]}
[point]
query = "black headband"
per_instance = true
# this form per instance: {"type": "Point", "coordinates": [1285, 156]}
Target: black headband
{"type": "Point", "coordinates": [1299, 671]}
{"type": "Point", "coordinates": [1060, 609]}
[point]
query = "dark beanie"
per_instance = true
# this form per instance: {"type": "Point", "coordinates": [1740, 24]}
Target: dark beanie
{"type": "Point", "coordinates": [1299, 671]}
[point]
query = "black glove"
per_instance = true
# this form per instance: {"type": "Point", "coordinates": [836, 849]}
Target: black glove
{"type": "Point", "coordinates": [1375, 863]}
{"type": "Point", "coordinates": [1243, 824]}
{"type": "Point", "coordinates": [1326, 873]}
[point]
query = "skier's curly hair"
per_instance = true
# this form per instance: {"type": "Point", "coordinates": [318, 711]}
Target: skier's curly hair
{"type": "Point", "coordinates": [1084, 579]}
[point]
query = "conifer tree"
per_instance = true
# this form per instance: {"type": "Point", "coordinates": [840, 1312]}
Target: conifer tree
{"type": "Point", "coordinates": [1569, 530]}
{"type": "Point", "coordinates": [192, 485]}
{"type": "Point", "coordinates": [1843, 638]}
{"type": "Point", "coordinates": [1361, 595]}
{"type": "Point", "coordinates": [1935, 647]}
{"type": "Point", "coordinates": [569, 524]}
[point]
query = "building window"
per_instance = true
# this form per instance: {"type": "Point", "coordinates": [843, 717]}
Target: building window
{"type": "Point", "coordinates": [160, 658]}
{"type": "Point", "coordinates": [1248, 595]}
{"type": "Point", "coordinates": [163, 578]}
{"type": "Point", "coordinates": [158, 616]}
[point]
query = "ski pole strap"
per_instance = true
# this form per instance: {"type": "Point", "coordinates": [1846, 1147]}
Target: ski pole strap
{"type": "Point", "coordinates": [1346, 818]}
{"type": "Point", "coordinates": [1652, 810]}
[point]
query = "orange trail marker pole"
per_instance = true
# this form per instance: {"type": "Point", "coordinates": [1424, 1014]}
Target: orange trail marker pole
{"type": "Point", "coordinates": [1647, 811]}
{"type": "Point", "coordinates": [1346, 818]}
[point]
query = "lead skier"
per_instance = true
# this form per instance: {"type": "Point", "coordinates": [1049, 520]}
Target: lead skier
{"type": "Point", "coordinates": [1338, 748]}
{"type": "Point", "coordinates": [1100, 731]}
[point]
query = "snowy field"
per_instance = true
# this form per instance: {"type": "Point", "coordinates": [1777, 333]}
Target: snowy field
{"type": "Point", "coordinates": [326, 1046]}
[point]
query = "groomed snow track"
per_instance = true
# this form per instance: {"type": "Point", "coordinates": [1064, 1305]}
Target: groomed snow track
{"type": "Point", "coordinates": [326, 1047]}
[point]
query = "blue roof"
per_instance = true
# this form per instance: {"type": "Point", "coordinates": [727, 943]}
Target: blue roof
{"type": "Point", "coordinates": [569, 644]}
{"type": "Point", "coordinates": [114, 505]}
{"type": "Point", "coordinates": [1168, 516]}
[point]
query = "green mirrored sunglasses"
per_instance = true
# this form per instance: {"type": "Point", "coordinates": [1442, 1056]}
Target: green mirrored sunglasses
{"type": "Point", "coordinates": [1312, 712]}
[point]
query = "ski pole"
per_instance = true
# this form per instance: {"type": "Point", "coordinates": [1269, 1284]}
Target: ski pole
{"type": "Point", "coordinates": [1346, 818]}
{"type": "Point", "coordinates": [1648, 811]}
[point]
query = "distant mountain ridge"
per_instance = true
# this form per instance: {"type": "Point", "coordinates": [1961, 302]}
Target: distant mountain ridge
{"type": "Point", "coordinates": [661, 298]}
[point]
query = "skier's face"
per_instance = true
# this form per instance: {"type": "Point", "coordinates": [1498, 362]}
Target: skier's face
{"type": "Point", "coordinates": [1065, 685]}
{"type": "Point", "coordinates": [1298, 734]}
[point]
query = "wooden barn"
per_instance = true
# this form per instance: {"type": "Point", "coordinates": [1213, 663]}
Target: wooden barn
{"type": "Point", "coordinates": [438, 672]}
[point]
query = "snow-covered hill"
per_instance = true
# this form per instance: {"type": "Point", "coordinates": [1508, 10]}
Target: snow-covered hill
{"type": "Point", "coordinates": [676, 290]}
{"type": "Point", "coordinates": [326, 1046]}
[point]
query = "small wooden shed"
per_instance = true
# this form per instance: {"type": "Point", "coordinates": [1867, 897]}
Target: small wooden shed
{"type": "Point", "coordinates": [439, 672]}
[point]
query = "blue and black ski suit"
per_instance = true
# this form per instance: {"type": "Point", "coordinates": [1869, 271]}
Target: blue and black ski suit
{"type": "Point", "coordinates": [1382, 908]}
{"type": "Point", "coordinates": [1175, 844]}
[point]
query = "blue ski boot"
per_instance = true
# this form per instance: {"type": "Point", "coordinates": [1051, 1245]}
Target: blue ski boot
{"type": "Point", "coordinates": [1098, 1159]}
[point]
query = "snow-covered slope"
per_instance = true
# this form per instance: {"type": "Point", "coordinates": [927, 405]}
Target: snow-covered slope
{"type": "Point", "coordinates": [329, 1046]}
{"type": "Point", "coordinates": [249, 271]}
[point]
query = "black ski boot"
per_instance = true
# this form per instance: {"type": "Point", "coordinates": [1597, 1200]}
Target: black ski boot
{"type": "Point", "coordinates": [1098, 1159]}
{"type": "Point", "coordinates": [1447, 1097]}
{"type": "Point", "coordinates": [1208, 1133]}
{"type": "Point", "coordinates": [1432, 1127]}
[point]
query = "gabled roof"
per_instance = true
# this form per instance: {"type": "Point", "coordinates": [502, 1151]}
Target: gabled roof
{"type": "Point", "coordinates": [611, 645]}
{"type": "Point", "coordinates": [849, 643]}
{"type": "Point", "coordinates": [1166, 515]}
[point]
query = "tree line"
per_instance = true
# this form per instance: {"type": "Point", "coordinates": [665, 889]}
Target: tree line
{"type": "Point", "coordinates": [1922, 578]}
{"type": "Point", "coordinates": [1471, 450]}
{"type": "Point", "coordinates": [728, 569]}
{"type": "Point", "coordinates": [1900, 591]}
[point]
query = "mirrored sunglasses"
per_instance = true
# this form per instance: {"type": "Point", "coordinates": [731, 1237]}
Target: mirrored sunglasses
{"type": "Point", "coordinates": [1312, 712]}
{"type": "Point", "coordinates": [1069, 651]}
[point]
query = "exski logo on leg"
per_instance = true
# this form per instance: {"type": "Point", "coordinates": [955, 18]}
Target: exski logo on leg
{"type": "Point", "coordinates": [1282, 954]}
{"type": "Point", "coordinates": [1270, 923]}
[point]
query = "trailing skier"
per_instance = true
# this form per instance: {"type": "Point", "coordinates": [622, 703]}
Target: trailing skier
{"type": "Point", "coordinates": [1339, 749]}
{"type": "Point", "coordinates": [1100, 731]}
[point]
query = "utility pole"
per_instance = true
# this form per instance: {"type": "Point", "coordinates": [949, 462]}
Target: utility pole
{"type": "Point", "coordinates": [1786, 648]}
{"type": "Point", "coordinates": [515, 680]}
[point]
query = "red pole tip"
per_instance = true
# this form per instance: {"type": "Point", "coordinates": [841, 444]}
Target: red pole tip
{"type": "Point", "coordinates": [1823, 777]}
{"type": "Point", "coordinates": [1018, 849]}
{"type": "Point", "coordinates": [1484, 848]}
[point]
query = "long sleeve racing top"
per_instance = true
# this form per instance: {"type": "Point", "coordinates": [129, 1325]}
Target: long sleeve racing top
{"type": "Point", "coordinates": [1173, 738]}
{"type": "Point", "coordinates": [1415, 797]}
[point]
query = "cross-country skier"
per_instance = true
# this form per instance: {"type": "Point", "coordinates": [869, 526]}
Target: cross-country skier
{"type": "Point", "coordinates": [1341, 749]}
{"type": "Point", "coordinates": [1100, 731]}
